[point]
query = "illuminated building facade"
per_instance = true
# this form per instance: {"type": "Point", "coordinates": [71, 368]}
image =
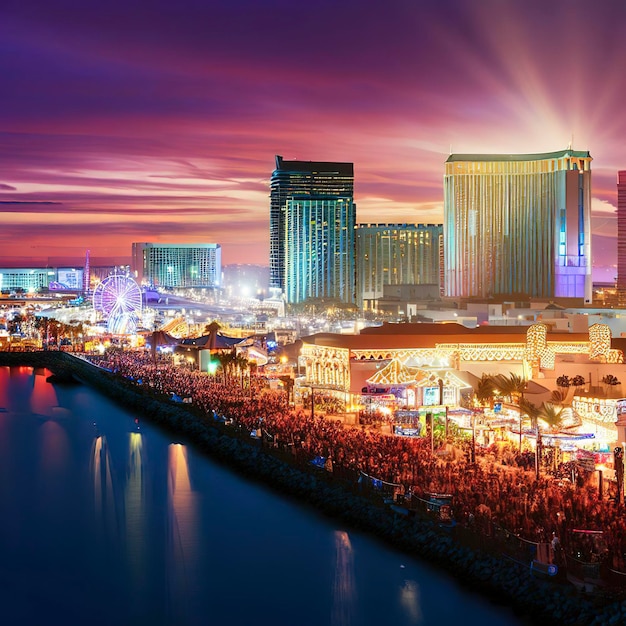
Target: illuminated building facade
{"type": "Point", "coordinates": [518, 225]}
{"type": "Point", "coordinates": [395, 254]}
{"type": "Point", "coordinates": [333, 359]}
{"type": "Point", "coordinates": [177, 265]}
{"type": "Point", "coordinates": [621, 237]}
{"type": "Point", "coordinates": [301, 179]}
{"type": "Point", "coordinates": [319, 255]}
{"type": "Point", "coordinates": [421, 366]}
{"type": "Point", "coordinates": [32, 280]}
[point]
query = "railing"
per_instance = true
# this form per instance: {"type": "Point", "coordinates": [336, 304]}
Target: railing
{"type": "Point", "coordinates": [436, 506]}
{"type": "Point", "coordinates": [584, 570]}
{"type": "Point", "coordinates": [521, 550]}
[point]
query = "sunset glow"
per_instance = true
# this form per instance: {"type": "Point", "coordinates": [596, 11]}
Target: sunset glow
{"type": "Point", "coordinates": [120, 123]}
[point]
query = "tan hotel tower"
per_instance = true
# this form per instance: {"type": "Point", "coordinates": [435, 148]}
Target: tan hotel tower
{"type": "Point", "coordinates": [518, 226]}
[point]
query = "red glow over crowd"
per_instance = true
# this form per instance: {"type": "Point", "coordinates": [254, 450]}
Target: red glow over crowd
{"type": "Point", "coordinates": [485, 494]}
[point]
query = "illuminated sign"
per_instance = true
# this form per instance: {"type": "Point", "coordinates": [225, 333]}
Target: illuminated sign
{"type": "Point", "coordinates": [70, 278]}
{"type": "Point", "coordinates": [599, 409]}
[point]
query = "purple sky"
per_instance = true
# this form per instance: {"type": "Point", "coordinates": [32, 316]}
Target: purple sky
{"type": "Point", "coordinates": [159, 121]}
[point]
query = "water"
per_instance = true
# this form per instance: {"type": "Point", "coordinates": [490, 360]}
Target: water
{"type": "Point", "coordinates": [107, 521]}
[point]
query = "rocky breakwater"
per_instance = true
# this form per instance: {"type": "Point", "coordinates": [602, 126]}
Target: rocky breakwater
{"type": "Point", "coordinates": [63, 369]}
{"type": "Point", "coordinates": [540, 601]}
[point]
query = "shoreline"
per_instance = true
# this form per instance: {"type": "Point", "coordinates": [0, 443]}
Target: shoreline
{"type": "Point", "coordinates": [501, 581]}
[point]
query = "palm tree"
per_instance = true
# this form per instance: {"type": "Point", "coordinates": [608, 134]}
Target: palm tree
{"type": "Point", "coordinates": [553, 417]}
{"type": "Point", "coordinates": [558, 396]}
{"type": "Point", "coordinates": [77, 328]}
{"type": "Point", "coordinates": [513, 386]}
{"type": "Point", "coordinates": [609, 382]}
{"type": "Point", "coordinates": [547, 413]}
{"type": "Point", "coordinates": [288, 384]}
{"type": "Point", "coordinates": [225, 360]}
{"type": "Point", "coordinates": [241, 364]}
{"type": "Point", "coordinates": [40, 324]}
{"type": "Point", "coordinates": [533, 412]}
{"type": "Point", "coordinates": [484, 389]}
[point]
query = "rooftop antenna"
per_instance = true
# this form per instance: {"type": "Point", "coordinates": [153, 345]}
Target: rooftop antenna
{"type": "Point", "coordinates": [571, 143]}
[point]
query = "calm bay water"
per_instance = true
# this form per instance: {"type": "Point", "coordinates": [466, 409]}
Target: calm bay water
{"type": "Point", "coordinates": [105, 520]}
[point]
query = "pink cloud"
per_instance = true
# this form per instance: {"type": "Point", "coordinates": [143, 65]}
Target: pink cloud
{"type": "Point", "coordinates": [165, 123]}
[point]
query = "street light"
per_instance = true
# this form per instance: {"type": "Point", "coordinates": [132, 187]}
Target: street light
{"type": "Point", "coordinates": [473, 456]}
{"type": "Point", "coordinates": [430, 419]}
{"type": "Point", "coordinates": [537, 451]}
{"type": "Point", "coordinates": [618, 462]}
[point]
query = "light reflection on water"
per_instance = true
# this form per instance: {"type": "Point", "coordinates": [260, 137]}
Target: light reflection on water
{"type": "Point", "coordinates": [134, 508]}
{"type": "Point", "coordinates": [344, 595]}
{"type": "Point", "coordinates": [43, 397]}
{"type": "Point", "coordinates": [410, 601]}
{"type": "Point", "coordinates": [183, 546]}
{"type": "Point", "coordinates": [5, 374]}
{"type": "Point", "coordinates": [104, 523]}
{"type": "Point", "coordinates": [105, 503]}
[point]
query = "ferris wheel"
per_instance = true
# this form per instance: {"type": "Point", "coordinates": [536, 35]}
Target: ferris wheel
{"type": "Point", "coordinates": [118, 299]}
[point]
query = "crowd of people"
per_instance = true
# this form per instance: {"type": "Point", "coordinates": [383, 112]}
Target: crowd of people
{"type": "Point", "coordinates": [485, 493]}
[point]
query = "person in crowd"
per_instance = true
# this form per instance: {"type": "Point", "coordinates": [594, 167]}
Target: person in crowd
{"type": "Point", "coordinates": [490, 493]}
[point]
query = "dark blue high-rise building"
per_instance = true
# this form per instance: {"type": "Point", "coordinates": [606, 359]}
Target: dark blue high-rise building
{"type": "Point", "coordinates": [318, 185]}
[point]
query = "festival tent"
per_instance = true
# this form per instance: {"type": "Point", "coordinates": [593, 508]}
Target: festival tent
{"type": "Point", "coordinates": [199, 349]}
{"type": "Point", "coordinates": [430, 378]}
{"type": "Point", "coordinates": [394, 373]}
{"type": "Point", "coordinates": [160, 338]}
{"type": "Point", "coordinates": [213, 341]}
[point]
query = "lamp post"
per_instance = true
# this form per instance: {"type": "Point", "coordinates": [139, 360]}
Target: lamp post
{"type": "Point", "coordinates": [446, 408]}
{"type": "Point", "coordinates": [473, 456]}
{"type": "Point", "coordinates": [537, 452]}
{"type": "Point", "coordinates": [618, 462]}
{"type": "Point", "coordinates": [430, 420]}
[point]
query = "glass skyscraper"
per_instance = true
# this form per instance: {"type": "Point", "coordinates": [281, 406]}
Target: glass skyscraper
{"type": "Point", "coordinates": [302, 179]}
{"type": "Point", "coordinates": [172, 265]}
{"type": "Point", "coordinates": [395, 254]}
{"type": "Point", "coordinates": [320, 250]}
{"type": "Point", "coordinates": [518, 225]}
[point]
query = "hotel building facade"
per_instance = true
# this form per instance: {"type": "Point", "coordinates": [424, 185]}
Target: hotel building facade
{"type": "Point", "coordinates": [320, 250]}
{"type": "Point", "coordinates": [518, 225]}
{"type": "Point", "coordinates": [395, 254]}
{"type": "Point", "coordinates": [312, 180]}
{"type": "Point", "coordinates": [172, 265]}
{"type": "Point", "coordinates": [33, 280]}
